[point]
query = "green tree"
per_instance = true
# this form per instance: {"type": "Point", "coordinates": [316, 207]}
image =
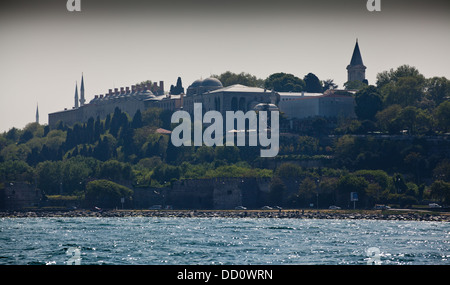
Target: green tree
{"type": "Point", "coordinates": [354, 85]}
{"type": "Point", "coordinates": [393, 75]}
{"type": "Point", "coordinates": [284, 82]}
{"type": "Point", "coordinates": [106, 194]}
{"type": "Point", "coordinates": [438, 89]}
{"type": "Point", "coordinates": [177, 89]}
{"type": "Point", "coordinates": [307, 191]}
{"type": "Point", "coordinates": [442, 170]}
{"type": "Point", "coordinates": [50, 178]}
{"type": "Point", "coordinates": [440, 191]}
{"type": "Point", "coordinates": [288, 170]}
{"type": "Point", "coordinates": [442, 114]}
{"type": "Point", "coordinates": [229, 78]}
{"type": "Point", "coordinates": [165, 173]}
{"type": "Point", "coordinates": [114, 170]}
{"type": "Point", "coordinates": [277, 189]}
{"type": "Point", "coordinates": [312, 83]}
{"type": "Point", "coordinates": [227, 153]}
{"type": "Point", "coordinates": [352, 183]}
{"type": "Point", "coordinates": [137, 120]}
{"type": "Point", "coordinates": [406, 91]}
{"type": "Point", "coordinates": [17, 170]}
{"type": "Point", "coordinates": [387, 119]}
{"type": "Point", "coordinates": [414, 120]}
{"type": "Point", "coordinates": [329, 84]}
{"type": "Point", "coordinates": [368, 103]}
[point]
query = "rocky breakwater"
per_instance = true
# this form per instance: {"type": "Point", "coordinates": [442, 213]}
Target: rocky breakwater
{"type": "Point", "coordinates": [279, 214]}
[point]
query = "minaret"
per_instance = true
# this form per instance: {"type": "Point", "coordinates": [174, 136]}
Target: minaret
{"type": "Point", "coordinates": [356, 69]}
{"type": "Point", "coordinates": [82, 100]}
{"type": "Point", "coordinates": [37, 113]}
{"type": "Point", "coordinates": [76, 95]}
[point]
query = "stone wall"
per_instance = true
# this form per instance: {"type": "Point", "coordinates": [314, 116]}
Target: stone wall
{"type": "Point", "coordinates": [18, 195]}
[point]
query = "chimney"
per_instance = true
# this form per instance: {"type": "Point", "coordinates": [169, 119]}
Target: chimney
{"type": "Point", "coordinates": [122, 90]}
{"type": "Point", "coordinates": [133, 88]}
{"type": "Point", "coordinates": [116, 91]}
{"type": "Point", "coordinates": [96, 96]}
{"type": "Point", "coordinates": [128, 90]}
{"type": "Point", "coordinates": [161, 86]}
{"type": "Point", "coordinates": [110, 92]}
{"type": "Point", "coordinates": [101, 96]}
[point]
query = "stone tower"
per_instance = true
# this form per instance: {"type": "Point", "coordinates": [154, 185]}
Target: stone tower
{"type": "Point", "coordinates": [76, 95]}
{"type": "Point", "coordinates": [356, 69]}
{"type": "Point", "coordinates": [82, 100]}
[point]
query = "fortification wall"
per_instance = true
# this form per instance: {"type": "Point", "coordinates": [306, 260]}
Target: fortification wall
{"type": "Point", "coordinates": [18, 195]}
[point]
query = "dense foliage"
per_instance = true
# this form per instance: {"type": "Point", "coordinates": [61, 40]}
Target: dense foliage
{"type": "Point", "coordinates": [395, 151]}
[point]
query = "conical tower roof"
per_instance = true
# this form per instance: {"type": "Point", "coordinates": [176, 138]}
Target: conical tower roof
{"type": "Point", "coordinates": [356, 57]}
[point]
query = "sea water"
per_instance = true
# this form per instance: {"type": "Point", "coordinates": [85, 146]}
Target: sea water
{"type": "Point", "coordinates": [221, 241]}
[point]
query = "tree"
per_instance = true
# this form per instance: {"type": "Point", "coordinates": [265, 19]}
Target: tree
{"type": "Point", "coordinates": [178, 89]}
{"type": "Point", "coordinates": [387, 119]}
{"type": "Point", "coordinates": [442, 170]}
{"type": "Point", "coordinates": [392, 75]}
{"type": "Point", "coordinates": [164, 173]}
{"type": "Point", "coordinates": [438, 89]}
{"type": "Point", "coordinates": [406, 91]}
{"type": "Point", "coordinates": [354, 85]}
{"type": "Point", "coordinates": [137, 120]}
{"type": "Point", "coordinates": [50, 177]}
{"type": "Point", "coordinates": [12, 171]}
{"type": "Point", "coordinates": [440, 190]}
{"type": "Point", "coordinates": [288, 170]}
{"type": "Point", "coordinates": [414, 120]}
{"type": "Point", "coordinates": [277, 189]}
{"type": "Point", "coordinates": [351, 183]}
{"type": "Point", "coordinates": [106, 194]}
{"type": "Point", "coordinates": [114, 170]}
{"type": "Point", "coordinates": [307, 191]}
{"type": "Point", "coordinates": [312, 83]}
{"type": "Point", "coordinates": [229, 78]}
{"type": "Point", "coordinates": [329, 84]}
{"type": "Point", "coordinates": [442, 114]}
{"type": "Point", "coordinates": [368, 103]}
{"type": "Point", "coordinates": [284, 82]}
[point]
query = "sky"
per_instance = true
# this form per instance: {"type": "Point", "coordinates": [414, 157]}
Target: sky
{"type": "Point", "coordinates": [44, 48]}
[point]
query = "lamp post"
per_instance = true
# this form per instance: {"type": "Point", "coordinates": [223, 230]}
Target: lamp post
{"type": "Point", "coordinates": [317, 193]}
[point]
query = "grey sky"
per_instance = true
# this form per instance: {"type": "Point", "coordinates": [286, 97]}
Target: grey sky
{"type": "Point", "coordinates": [45, 48]}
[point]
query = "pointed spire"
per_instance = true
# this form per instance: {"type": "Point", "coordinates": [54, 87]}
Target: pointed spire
{"type": "Point", "coordinates": [82, 100]}
{"type": "Point", "coordinates": [356, 57]}
{"type": "Point", "coordinates": [37, 113]}
{"type": "Point", "coordinates": [76, 94]}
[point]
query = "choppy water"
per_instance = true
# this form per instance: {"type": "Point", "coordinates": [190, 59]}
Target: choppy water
{"type": "Point", "coordinates": [187, 241]}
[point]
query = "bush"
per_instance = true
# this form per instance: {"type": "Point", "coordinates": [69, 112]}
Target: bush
{"type": "Point", "coordinates": [106, 194]}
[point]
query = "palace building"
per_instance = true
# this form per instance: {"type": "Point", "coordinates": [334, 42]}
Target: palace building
{"type": "Point", "coordinates": [214, 96]}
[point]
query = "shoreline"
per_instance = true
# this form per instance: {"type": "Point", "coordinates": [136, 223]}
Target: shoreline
{"type": "Point", "coordinates": [396, 215]}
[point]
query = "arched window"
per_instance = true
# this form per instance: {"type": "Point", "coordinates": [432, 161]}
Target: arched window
{"type": "Point", "coordinates": [242, 104]}
{"type": "Point", "coordinates": [234, 104]}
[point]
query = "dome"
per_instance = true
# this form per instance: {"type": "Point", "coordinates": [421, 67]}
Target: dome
{"type": "Point", "coordinates": [196, 83]}
{"type": "Point", "coordinates": [265, 107]}
{"type": "Point", "coordinates": [212, 82]}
